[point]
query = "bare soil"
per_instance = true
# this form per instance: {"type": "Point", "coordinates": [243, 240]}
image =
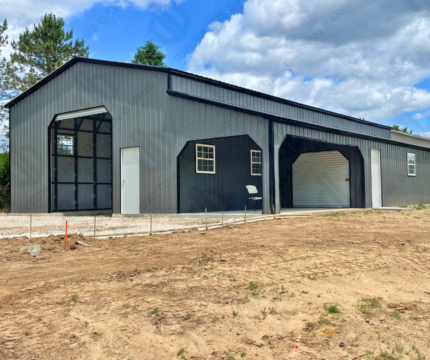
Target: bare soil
{"type": "Point", "coordinates": [342, 286]}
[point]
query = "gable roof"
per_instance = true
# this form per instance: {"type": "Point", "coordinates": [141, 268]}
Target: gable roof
{"type": "Point", "coordinates": [181, 73]}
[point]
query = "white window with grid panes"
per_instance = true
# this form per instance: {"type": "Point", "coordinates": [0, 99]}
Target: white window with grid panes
{"type": "Point", "coordinates": [205, 159]}
{"type": "Point", "coordinates": [256, 168]}
{"type": "Point", "coordinates": [411, 165]}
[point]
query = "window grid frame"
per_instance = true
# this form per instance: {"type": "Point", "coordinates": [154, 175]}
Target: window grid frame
{"type": "Point", "coordinates": [254, 162]}
{"type": "Point", "coordinates": [414, 164]}
{"type": "Point", "coordinates": [63, 146]}
{"type": "Point", "coordinates": [207, 159]}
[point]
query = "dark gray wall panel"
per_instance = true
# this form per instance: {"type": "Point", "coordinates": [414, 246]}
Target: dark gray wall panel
{"type": "Point", "coordinates": [225, 190]}
{"type": "Point", "coordinates": [397, 188]}
{"type": "Point", "coordinates": [214, 92]}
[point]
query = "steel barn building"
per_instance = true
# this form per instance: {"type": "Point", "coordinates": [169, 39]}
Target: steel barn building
{"type": "Point", "coordinates": [99, 135]}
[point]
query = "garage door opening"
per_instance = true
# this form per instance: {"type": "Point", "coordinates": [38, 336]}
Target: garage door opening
{"type": "Point", "coordinates": [321, 180]}
{"type": "Point", "coordinates": [318, 174]}
{"type": "Point", "coordinates": [80, 151]}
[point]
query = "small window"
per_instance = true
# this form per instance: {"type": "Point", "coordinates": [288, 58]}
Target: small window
{"type": "Point", "coordinates": [411, 165]}
{"type": "Point", "coordinates": [256, 163]}
{"type": "Point", "coordinates": [205, 159]}
{"type": "Point", "coordinates": [65, 145]}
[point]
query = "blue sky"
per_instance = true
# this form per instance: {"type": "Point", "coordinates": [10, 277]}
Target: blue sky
{"type": "Point", "coordinates": [114, 33]}
{"type": "Point", "coordinates": [341, 55]}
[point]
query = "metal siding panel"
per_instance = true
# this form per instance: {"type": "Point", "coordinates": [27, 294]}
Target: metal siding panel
{"type": "Point", "coordinates": [397, 188]}
{"type": "Point", "coordinates": [257, 103]}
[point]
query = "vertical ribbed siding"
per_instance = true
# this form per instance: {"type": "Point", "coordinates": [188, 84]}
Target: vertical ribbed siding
{"type": "Point", "coordinates": [214, 92]}
{"type": "Point", "coordinates": [143, 115]}
{"type": "Point", "coordinates": [397, 188]}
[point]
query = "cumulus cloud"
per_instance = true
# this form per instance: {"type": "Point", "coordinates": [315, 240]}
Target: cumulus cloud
{"type": "Point", "coordinates": [23, 13]}
{"type": "Point", "coordinates": [351, 56]}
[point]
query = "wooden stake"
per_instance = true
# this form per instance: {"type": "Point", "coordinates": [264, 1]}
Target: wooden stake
{"type": "Point", "coordinates": [66, 235]}
{"type": "Point", "coordinates": [206, 214]}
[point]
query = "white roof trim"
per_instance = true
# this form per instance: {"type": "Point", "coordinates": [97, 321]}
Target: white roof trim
{"type": "Point", "coordinates": [410, 135]}
{"type": "Point", "coordinates": [81, 113]}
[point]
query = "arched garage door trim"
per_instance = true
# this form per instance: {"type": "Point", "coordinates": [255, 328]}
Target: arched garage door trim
{"type": "Point", "coordinates": [293, 146]}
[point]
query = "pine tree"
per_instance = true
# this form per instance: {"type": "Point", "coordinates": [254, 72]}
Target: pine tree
{"type": "Point", "coordinates": [45, 48]}
{"type": "Point", "coordinates": [149, 54]}
{"type": "Point", "coordinates": [9, 86]}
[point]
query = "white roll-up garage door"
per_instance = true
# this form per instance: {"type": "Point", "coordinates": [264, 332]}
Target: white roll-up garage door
{"type": "Point", "coordinates": [321, 179]}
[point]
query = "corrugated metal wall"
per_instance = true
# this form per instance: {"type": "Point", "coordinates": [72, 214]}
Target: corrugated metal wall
{"type": "Point", "coordinates": [213, 92]}
{"type": "Point", "coordinates": [397, 188]}
{"type": "Point", "coordinates": [143, 115]}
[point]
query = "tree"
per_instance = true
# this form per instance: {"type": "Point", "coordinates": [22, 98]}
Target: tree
{"type": "Point", "coordinates": [4, 181]}
{"type": "Point", "coordinates": [8, 81]}
{"type": "Point", "coordinates": [149, 54]}
{"type": "Point", "coordinates": [405, 129]}
{"type": "Point", "coordinates": [40, 51]}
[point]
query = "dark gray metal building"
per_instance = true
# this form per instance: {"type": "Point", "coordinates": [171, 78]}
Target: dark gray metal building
{"type": "Point", "coordinates": [100, 135]}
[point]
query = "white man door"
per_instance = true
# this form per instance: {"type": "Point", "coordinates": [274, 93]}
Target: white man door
{"type": "Point", "coordinates": [376, 178]}
{"type": "Point", "coordinates": [130, 181]}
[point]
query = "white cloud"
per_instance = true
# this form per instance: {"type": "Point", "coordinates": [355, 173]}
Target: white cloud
{"type": "Point", "coordinates": [421, 115]}
{"type": "Point", "coordinates": [24, 13]}
{"type": "Point", "coordinates": [349, 56]}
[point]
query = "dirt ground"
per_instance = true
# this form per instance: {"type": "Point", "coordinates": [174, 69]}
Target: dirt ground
{"type": "Point", "coordinates": [340, 286]}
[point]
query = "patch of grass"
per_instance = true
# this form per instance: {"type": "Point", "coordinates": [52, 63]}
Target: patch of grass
{"type": "Point", "coordinates": [305, 292]}
{"type": "Point", "coordinates": [272, 311]}
{"type": "Point", "coordinates": [294, 313]}
{"type": "Point", "coordinates": [333, 214]}
{"type": "Point", "coordinates": [385, 356]}
{"type": "Point", "coordinates": [86, 323]}
{"type": "Point", "coordinates": [243, 354]}
{"type": "Point", "coordinates": [75, 297]}
{"type": "Point", "coordinates": [366, 303]}
{"type": "Point", "coordinates": [253, 286]}
{"type": "Point", "coordinates": [231, 357]}
{"type": "Point", "coordinates": [153, 312]}
{"type": "Point", "coordinates": [413, 317]}
{"type": "Point", "coordinates": [181, 354]}
{"type": "Point", "coordinates": [255, 293]}
{"type": "Point", "coordinates": [420, 207]}
{"type": "Point", "coordinates": [420, 356]}
{"type": "Point", "coordinates": [395, 315]}
{"type": "Point", "coordinates": [264, 312]}
{"type": "Point", "coordinates": [276, 298]}
{"type": "Point", "coordinates": [332, 309]}
{"type": "Point", "coordinates": [322, 321]}
{"type": "Point", "coordinates": [126, 305]}
{"type": "Point", "coordinates": [235, 313]}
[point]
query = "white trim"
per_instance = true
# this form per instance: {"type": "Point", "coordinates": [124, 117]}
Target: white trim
{"type": "Point", "coordinates": [197, 160]}
{"type": "Point", "coordinates": [414, 164]}
{"type": "Point", "coordinates": [81, 113]}
{"type": "Point", "coordinates": [252, 162]}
